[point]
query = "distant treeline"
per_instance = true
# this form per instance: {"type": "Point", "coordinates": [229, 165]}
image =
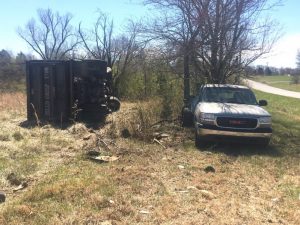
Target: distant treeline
{"type": "Point", "coordinates": [271, 71]}
{"type": "Point", "coordinates": [12, 68]}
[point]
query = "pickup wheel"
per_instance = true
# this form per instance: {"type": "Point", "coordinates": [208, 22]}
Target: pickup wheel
{"type": "Point", "coordinates": [200, 143]}
{"type": "Point", "coordinates": [263, 142]}
{"type": "Point", "coordinates": [187, 117]}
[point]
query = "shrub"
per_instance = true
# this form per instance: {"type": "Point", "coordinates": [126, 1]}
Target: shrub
{"type": "Point", "coordinates": [295, 79]}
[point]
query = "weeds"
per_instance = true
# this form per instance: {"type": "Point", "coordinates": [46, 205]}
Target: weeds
{"type": "Point", "coordinates": [12, 102]}
{"type": "Point", "coordinates": [141, 119]}
{"type": "Point", "coordinates": [17, 135]}
{"type": "Point", "coordinates": [295, 79]}
{"type": "Point", "coordinates": [65, 188]}
{"type": "Point", "coordinates": [292, 191]}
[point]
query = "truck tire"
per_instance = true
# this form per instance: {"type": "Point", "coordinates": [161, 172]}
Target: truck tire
{"type": "Point", "coordinates": [200, 143]}
{"type": "Point", "coordinates": [263, 142]}
{"type": "Point", "coordinates": [113, 104]}
{"type": "Point", "coordinates": [187, 117]}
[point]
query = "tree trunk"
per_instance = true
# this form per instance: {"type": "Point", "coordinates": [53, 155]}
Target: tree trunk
{"type": "Point", "coordinates": [186, 83]}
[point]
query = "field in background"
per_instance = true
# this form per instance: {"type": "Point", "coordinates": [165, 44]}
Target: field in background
{"type": "Point", "coordinates": [150, 183]}
{"type": "Point", "coordinates": [283, 82]}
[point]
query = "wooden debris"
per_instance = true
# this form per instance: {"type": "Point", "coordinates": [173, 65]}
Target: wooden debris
{"type": "Point", "coordinates": [144, 212]}
{"type": "Point", "coordinates": [22, 186]}
{"type": "Point", "coordinates": [158, 142]}
{"type": "Point", "coordinates": [104, 158]}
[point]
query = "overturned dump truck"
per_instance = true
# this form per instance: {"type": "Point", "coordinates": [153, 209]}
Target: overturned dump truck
{"type": "Point", "coordinates": [60, 91]}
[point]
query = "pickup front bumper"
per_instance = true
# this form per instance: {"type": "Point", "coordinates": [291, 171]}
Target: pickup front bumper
{"type": "Point", "coordinates": [214, 131]}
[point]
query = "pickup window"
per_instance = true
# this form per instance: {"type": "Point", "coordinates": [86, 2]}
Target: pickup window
{"type": "Point", "coordinates": [229, 95]}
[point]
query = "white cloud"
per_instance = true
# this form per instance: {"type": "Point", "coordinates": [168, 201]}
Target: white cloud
{"type": "Point", "coordinates": [284, 52]}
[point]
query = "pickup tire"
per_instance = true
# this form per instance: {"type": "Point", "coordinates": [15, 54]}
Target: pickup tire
{"type": "Point", "coordinates": [187, 117]}
{"type": "Point", "coordinates": [263, 142]}
{"type": "Point", "coordinates": [200, 142]}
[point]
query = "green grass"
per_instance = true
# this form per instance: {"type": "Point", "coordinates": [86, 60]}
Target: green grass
{"type": "Point", "coordinates": [286, 121]}
{"type": "Point", "coordinates": [281, 81]}
{"type": "Point", "coordinates": [273, 78]}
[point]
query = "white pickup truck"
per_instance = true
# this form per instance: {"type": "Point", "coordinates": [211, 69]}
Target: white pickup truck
{"type": "Point", "coordinates": [228, 113]}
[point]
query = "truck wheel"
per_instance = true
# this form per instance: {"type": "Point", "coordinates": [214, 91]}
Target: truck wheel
{"type": "Point", "coordinates": [263, 142]}
{"type": "Point", "coordinates": [114, 104]}
{"type": "Point", "coordinates": [200, 143]}
{"type": "Point", "coordinates": [187, 117]}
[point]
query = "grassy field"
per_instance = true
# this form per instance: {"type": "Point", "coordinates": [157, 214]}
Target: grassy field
{"type": "Point", "coordinates": [150, 183]}
{"type": "Point", "coordinates": [283, 82]}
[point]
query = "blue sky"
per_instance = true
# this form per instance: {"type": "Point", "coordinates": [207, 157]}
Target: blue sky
{"type": "Point", "coordinates": [285, 50]}
{"type": "Point", "coordinates": [14, 13]}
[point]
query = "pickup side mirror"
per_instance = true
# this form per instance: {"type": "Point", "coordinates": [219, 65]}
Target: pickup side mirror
{"type": "Point", "coordinates": [262, 103]}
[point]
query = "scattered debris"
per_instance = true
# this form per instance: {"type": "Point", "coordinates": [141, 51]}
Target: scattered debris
{"type": "Point", "coordinates": [192, 188]}
{"type": "Point", "coordinates": [180, 166]}
{"type": "Point", "coordinates": [13, 179]}
{"type": "Point", "coordinates": [144, 212]}
{"type": "Point", "coordinates": [111, 202]}
{"type": "Point", "coordinates": [2, 197]}
{"type": "Point", "coordinates": [226, 161]}
{"type": "Point", "coordinates": [156, 127]}
{"type": "Point", "coordinates": [159, 136]}
{"type": "Point", "coordinates": [93, 153]}
{"type": "Point", "coordinates": [105, 144]}
{"type": "Point", "coordinates": [91, 130]}
{"type": "Point", "coordinates": [182, 191]}
{"type": "Point", "coordinates": [277, 199]}
{"type": "Point", "coordinates": [164, 135]}
{"type": "Point", "coordinates": [158, 142]}
{"type": "Point", "coordinates": [87, 137]}
{"type": "Point", "coordinates": [104, 158]}
{"type": "Point", "coordinates": [207, 194]}
{"type": "Point", "coordinates": [21, 187]}
{"type": "Point", "coordinates": [155, 134]}
{"type": "Point", "coordinates": [125, 133]}
{"type": "Point", "coordinates": [209, 169]}
{"type": "Point", "coordinates": [106, 222]}
{"type": "Point", "coordinates": [207, 152]}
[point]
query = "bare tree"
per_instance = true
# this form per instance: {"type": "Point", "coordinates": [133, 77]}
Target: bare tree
{"type": "Point", "coordinates": [52, 37]}
{"type": "Point", "coordinates": [234, 34]}
{"type": "Point", "coordinates": [98, 40]}
{"type": "Point", "coordinates": [119, 51]}
{"type": "Point", "coordinates": [219, 37]}
{"type": "Point", "coordinates": [177, 32]}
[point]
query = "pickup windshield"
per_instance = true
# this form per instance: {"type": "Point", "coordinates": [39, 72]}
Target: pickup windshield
{"type": "Point", "coordinates": [229, 95]}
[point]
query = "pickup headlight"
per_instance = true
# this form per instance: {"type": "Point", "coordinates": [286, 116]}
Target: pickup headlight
{"type": "Point", "coordinates": [265, 120]}
{"type": "Point", "coordinates": [207, 118]}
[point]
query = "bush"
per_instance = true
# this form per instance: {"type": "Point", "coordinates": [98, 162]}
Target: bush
{"type": "Point", "coordinates": [295, 79]}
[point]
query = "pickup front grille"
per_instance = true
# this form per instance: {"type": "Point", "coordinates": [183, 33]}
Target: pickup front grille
{"type": "Point", "coordinates": [238, 123]}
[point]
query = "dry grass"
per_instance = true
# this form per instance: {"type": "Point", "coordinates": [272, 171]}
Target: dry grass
{"type": "Point", "coordinates": [148, 184]}
{"type": "Point", "coordinates": [12, 101]}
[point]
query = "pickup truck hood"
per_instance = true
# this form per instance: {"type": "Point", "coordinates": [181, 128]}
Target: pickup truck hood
{"type": "Point", "coordinates": [231, 109]}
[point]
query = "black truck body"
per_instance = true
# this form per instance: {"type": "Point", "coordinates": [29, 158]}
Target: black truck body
{"type": "Point", "coordinates": [60, 90]}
